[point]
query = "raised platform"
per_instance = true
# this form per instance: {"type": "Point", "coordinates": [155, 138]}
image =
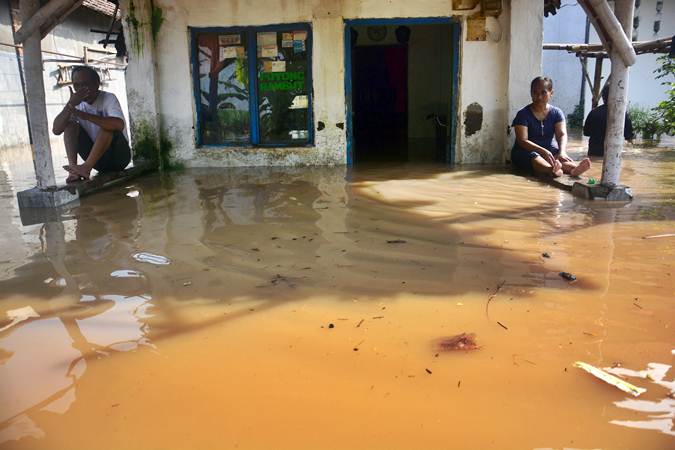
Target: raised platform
{"type": "Point", "coordinates": [45, 205]}
{"type": "Point", "coordinates": [594, 191]}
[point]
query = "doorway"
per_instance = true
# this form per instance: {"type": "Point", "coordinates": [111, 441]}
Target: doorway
{"type": "Point", "coordinates": [401, 83]}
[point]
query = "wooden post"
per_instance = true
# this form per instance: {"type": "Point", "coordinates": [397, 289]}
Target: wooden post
{"type": "Point", "coordinates": [617, 102]}
{"type": "Point", "coordinates": [35, 96]}
{"type": "Point", "coordinates": [597, 81]}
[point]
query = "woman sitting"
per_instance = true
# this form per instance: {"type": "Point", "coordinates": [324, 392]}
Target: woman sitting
{"type": "Point", "coordinates": [536, 125]}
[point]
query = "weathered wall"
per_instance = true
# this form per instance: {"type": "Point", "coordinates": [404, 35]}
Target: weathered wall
{"type": "Point", "coordinates": [483, 71]}
{"type": "Point", "coordinates": [69, 38]}
{"type": "Point", "coordinates": [526, 34]}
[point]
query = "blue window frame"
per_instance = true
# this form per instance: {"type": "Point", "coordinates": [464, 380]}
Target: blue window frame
{"type": "Point", "coordinates": [253, 85]}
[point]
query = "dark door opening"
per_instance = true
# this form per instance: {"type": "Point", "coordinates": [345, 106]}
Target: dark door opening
{"type": "Point", "coordinates": [380, 108]}
{"type": "Point", "coordinates": [401, 90]}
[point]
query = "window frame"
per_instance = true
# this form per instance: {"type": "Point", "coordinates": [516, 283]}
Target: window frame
{"type": "Point", "coordinates": [252, 63]}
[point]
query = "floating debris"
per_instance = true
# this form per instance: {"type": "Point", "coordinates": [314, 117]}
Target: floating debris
{"type": "Point", "coordinates": [19, 315]}
{"type": "Point", "coordinates": [396, 241]}
{"type": "Point", "coordinates": [659, 236]}
{"type": "Point", "coordinates": [464, 341]}
{"type": "Point", "coordinates": [546, 255]}
{"type": "Point", "coordinates": [132, 194]}
{"type": "Point", "coordinates": [610, 379]}
{"type": "Point", "coordinates": [568, 276]}
{"type": "Point", "coordinates": [150, 258]}
{"type": "Point", "coordinates": [124, 273]}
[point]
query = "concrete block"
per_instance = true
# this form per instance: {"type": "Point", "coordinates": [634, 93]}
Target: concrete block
{"type": "Point", "coordinates": [47, 198]}
{"type": "Point", "coordinates": [600, 192]}
{"type": "Point", "coordinates": [620, 194]}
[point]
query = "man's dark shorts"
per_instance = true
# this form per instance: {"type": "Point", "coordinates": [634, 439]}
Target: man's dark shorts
{"type": "Point", "coordinates": [114, 159]}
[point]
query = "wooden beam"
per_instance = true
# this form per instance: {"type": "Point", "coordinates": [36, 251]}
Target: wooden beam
{"type": "Point", "coordinates": [609, 29]}
{"type": "Point", "coordinates": [31, 24]}
{"type": "Point", "coordinates": [592, 50]}
{"type": "Point", "coordinates": [35, 96]}
{"type": "Point", "coordinates": [597, 80]}
{"type": "Point", "coordinates": [50, 24]}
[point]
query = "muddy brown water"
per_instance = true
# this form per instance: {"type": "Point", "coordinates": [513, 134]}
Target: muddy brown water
{"type": "Point", "coordinates": [193, 311]}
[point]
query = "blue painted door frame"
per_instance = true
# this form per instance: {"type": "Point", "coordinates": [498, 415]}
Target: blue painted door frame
{"type": "Point", "coordinates": [455, 35]}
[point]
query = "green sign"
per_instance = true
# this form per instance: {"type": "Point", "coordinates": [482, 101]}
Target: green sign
{"type": "Point", "coordinates": [282, 81]}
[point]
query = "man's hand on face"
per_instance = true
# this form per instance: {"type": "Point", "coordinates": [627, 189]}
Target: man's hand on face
{"type": "Point", "coordinates": [77, 97]}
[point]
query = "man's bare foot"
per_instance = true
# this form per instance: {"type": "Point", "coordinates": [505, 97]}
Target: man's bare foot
{"type": "Point", "coordinates": [79, 170]}
{"type": "Point", "coordinates": [582, 167]}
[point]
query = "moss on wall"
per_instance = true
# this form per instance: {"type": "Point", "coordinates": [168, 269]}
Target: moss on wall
{"type": "Point", "coordinates": [156, 20]}
{"type": "Point", "coordinates": [137, 26]}
{"type": "Point", "coordinates": [153, 148]}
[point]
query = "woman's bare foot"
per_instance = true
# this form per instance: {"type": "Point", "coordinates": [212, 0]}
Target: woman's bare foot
{"type": "Point", "coordinates": [582, 167]}
{"type": "Point", "coordinates": [556, 170]}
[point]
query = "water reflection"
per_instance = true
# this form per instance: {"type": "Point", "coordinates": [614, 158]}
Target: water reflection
{"type": "Point", "coordinates": [88, 311]}
{"type": "Point", "coordinates": [233, 271]}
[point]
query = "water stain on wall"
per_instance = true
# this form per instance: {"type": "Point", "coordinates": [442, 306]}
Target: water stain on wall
{"type": "Point", "coordinates": [473, 119]}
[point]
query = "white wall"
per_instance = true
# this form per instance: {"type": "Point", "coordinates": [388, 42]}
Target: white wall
{"type": "Point", "coordinates": [69, 38]}
{"type": "Point", "coordinates": [483, 73]}
{"type": "Point", "coordinates": [566, 27]}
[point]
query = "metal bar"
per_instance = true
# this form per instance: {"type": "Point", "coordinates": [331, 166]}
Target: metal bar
{"type": "Point", "coordinates": [112, 24]}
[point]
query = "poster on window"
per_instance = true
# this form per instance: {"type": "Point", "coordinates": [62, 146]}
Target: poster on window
{"type": "Point", "coordinates": [269, 51]}
{"type": "Point", "coordinates": [229, 39]}
{"type": "Point", "coordinates": [267, 39]}
{"type": "Point", "coordinates": [231, 52]}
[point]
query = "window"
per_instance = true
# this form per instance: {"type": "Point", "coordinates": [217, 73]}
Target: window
{"type": "Point", "coordinates": [253, 85]}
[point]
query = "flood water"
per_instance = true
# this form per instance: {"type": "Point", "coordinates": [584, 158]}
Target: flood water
{"type": "Point", "coordinates": [301, 309]}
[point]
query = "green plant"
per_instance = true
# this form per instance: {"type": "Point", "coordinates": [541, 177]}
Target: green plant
{"type": "Point", "coordinates": [576, 118]}
{"type": "Point", "coordinates": [644, 122]}
{"type": "Point", "coordinates": [664, 112]}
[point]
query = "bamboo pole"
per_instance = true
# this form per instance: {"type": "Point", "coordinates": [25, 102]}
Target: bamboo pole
{"type": "Point", "coordinates": [35, 96]}
{"type": "Point", "coordinates": [597, 81]}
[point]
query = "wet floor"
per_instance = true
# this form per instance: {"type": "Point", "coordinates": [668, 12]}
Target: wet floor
{"type": "Point", "coordinates": [302, 308]}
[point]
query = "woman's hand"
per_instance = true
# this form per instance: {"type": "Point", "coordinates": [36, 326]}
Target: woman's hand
{"type": "Point", "coordinates": [563, 157]}
{"type": "Point", "coordinates": [548, 157]}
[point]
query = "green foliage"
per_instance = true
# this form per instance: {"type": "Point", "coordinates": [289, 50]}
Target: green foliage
{"type": "Point", "coordinates": [644, 121]}
{"type": "Point", "coordinates": [576, 118]}
{"type": "Point", "coordinates": [665, 111]}
{"type": "Point", "coordinates": [145, 143]}
{"type": "Point", "coordinates": [153, 149]}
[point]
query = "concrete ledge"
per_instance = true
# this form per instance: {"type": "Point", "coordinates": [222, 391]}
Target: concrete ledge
{"type": "Point", "coordinates": [46, 205]}
{"type": "Point", "coordinates": [599, 192]}
{"type": "Point", "coordinates": [105, 180]}
{"type": "Point", "coordinates": [45, 198]}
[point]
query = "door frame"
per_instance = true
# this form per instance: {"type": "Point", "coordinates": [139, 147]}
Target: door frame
{"type": "Point", "coordinates": [455, 36]}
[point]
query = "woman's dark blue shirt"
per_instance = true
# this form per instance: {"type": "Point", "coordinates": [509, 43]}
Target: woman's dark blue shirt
{"type": "Point", "coordinates": [541, 132]}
